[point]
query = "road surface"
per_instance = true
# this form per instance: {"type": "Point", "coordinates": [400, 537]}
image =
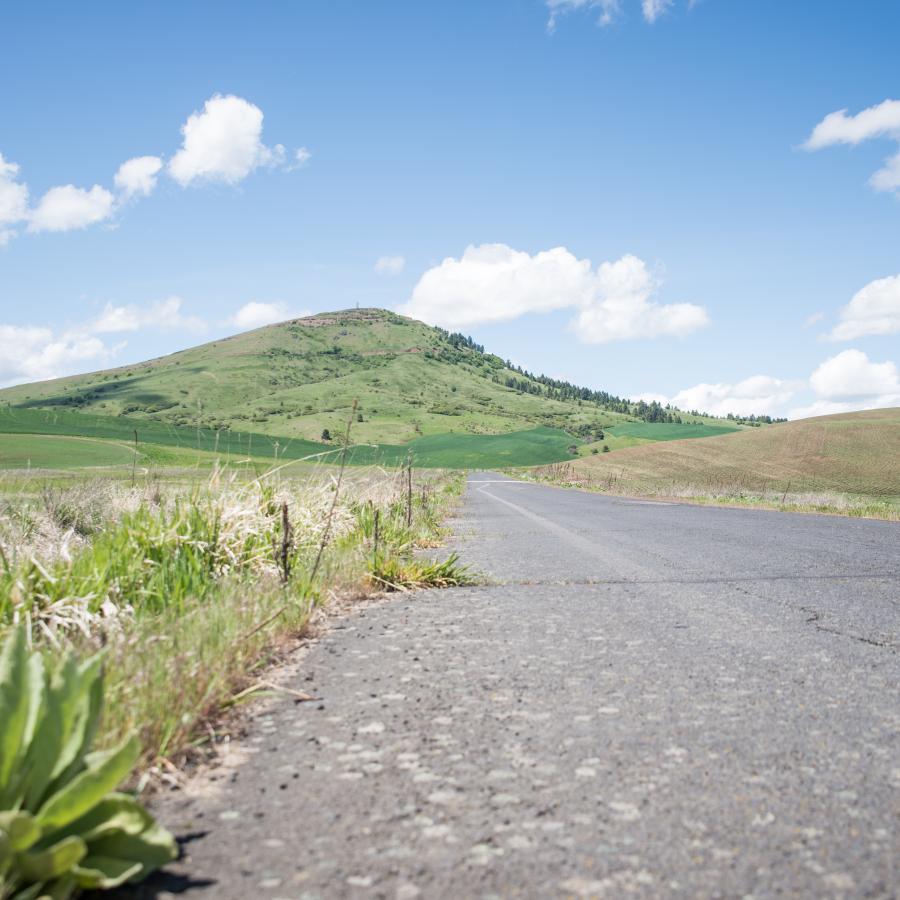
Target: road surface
{"type": "Point", "coordinates": [646, 699]}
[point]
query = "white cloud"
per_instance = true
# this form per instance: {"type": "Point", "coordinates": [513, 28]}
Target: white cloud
{"type": "Point", "coordinates": [494, 283]}
{"type": "Point", "coordinates": [874, 310]}
{"type": "Point", "coordinates": [137, 177]}
{"type": "Point", "coordinates": [758, 395]}
{"type": "Point", "coordinates": [390, 265]}
{"type": "Point", "coordinates": [302, 156]}
{"type": "Point", "coordinates": [220, 143]}
{"type": "Point", "coordinates": [881, 121]}
{"type": "Point", "coordinates": [851, 381]}
{"type": "Point", "coordinates": [620, 307]}
{"type": "Point", "coordinates": [812, 319]}
{"type": "Point", "coordinates": [653, 9]}
{"type": "Point", "coordinates": [68, 207]}
{"type": "Point", "coordinates": [165, 314]}
{"type": "Point", "coordinates": [257, 314]}
{"type": "Point", "coordinates": [223, 143]}
{"type": "Point", "coordinates": [608, 10]}
{"type": "Point", "coordinates": [34, 354]}
{"type": "Point", "coordinates": [13, 199]}
{"type": "Point", "coordinates": [839, 128]}
{"type": "Point", "coordinates": [851, 375]}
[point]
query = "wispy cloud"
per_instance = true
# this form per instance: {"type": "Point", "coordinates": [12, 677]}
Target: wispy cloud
{"type": "Point", "coordinates": [881, 121]}
{"type": "Point", "coordinates": [256, 314]}
{"type": "Point", "coordinates": [608, 11]}
{"type": "Point", "coordinates": [390, 265]}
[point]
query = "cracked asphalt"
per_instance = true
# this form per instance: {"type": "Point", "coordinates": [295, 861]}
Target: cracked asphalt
{"type": "Point", "coordinates": [646, 699]}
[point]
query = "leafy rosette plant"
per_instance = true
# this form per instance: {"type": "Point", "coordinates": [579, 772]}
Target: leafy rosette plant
{"type": "Point", "coordinates": [62, 825]}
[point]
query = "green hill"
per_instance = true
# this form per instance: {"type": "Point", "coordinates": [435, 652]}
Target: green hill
{"type": "Point", "coordinates": [279, 390]}
{"type": "Point", "coordinates": [300, 377]}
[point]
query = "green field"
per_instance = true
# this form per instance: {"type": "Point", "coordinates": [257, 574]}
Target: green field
{"type": "Point", "coordinates": [49, 439]}
{"type": "Point", "coordinates": [19, 451]}
{"type": "Point", "coordinates": [665, 431]}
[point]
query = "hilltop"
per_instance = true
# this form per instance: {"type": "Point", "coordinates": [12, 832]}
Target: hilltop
{"type": "Point", "coordinates": [299, 378]}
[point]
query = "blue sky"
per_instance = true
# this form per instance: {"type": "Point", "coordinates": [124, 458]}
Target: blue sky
{"type": "Point", "coordinates": [648, 205]}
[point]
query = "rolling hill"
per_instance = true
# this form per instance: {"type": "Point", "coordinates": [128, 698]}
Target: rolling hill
{"type": "Point", "coordinates": [277, 390]}
{"type": "Point", "coordinates": [300, 377]}
{"type": "Point", "coordinates": [850, 453]}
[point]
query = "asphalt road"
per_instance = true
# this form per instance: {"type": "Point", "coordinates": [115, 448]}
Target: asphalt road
{"type": "Point", "coordinates": [647, 700]}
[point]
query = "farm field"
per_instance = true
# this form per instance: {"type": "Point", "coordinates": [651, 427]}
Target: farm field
{"type": "Point", "coordinates": [29, 451]}
{"type": "Point", "coordinates": [107, 441]}
{"type": "Point", "coordinates": [841, 461]}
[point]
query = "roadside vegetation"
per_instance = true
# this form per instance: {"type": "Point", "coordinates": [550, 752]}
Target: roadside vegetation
{"type": "Point", "coordinates": [843, 464]}
{"type": "Point", "coordinates": [189, 587]}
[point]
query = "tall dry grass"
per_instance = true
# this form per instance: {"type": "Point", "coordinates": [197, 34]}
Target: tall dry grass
{"type": "Point", "coordinates": [721, 491]}
{"type": "Point", "coordinates": [190, 588]}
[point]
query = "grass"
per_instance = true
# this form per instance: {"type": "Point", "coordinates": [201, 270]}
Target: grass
{"type": "Point", "coordinates": [667, 431]}
{"type": "Point", "coordinates": [40, 436]}
{"type": "Point", "coordinates": [634, 434]}
{"type": "Point", "coordinates": [843, 464]}
{"type": "Point", "coordinates": [19, 451]}
{"type": "Point", "coordinates": [191, 588]}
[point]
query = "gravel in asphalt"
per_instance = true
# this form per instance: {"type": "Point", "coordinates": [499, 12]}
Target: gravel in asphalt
{"type": "Point", "coordinates": [644, 700]}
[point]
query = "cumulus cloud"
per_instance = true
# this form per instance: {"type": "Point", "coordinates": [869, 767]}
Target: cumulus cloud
{"type": "Point", "coordinates": [257, 314]}
{"type": "Point", "coordinates": [494, 283]}
{"type": "Point", "coordinates": [13, 199]}
{"type": "Point", "coordinates": [843, 383]}
{"type": "Point", "coordinates": [390, 265]}
{"type": "Point", "coordinates": [758, 395]}
{"type": "Point", "coordinates": [874, 310]}
{"type": "Point", "coordinates": [620, 307]}
{"type": "Point", "coordinates": [68, 207]}
{"type": "Point", "coordinates": [881, 121]}
{"type": "Point", "coordinates": [223, 143]}
{"type": "Point", "coordinates": [137, 177]}
{"type": "Point", "coordinates": [165, 314]}
{"type": "Point", "coordinates": [34, 354]}
{"type": "Point", "coordinates": [852, 375]}
{"type": "Point", "coordinates": [851, 381]}
{"type": "Point", "coordinates": [607, 10]}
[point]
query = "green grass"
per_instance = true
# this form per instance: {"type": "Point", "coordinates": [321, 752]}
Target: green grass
{"type": "Point", "coordinates": [18, 451]}
{"type": "Point", "coordinates": [160, 444]}
{"type": "Point", "coordinates": [665, 431]}
{"type": "Point", "coordinates": [187, 588]}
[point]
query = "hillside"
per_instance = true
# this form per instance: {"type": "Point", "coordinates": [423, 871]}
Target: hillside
{"type": "Point", "coordinates": [297, 378]}
{"type": "Point", "coordinates": [853, 453]}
